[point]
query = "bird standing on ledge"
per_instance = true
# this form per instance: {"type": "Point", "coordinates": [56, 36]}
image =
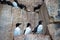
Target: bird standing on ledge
{"type": "Point", "coordinates": [17, 30]}
{"type": "Point", "coordinates": [28, 29]}
{"type": "Point", "coordinates": [39, 28]}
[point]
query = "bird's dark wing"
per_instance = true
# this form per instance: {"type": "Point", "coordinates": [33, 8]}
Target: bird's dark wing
{"type": "Point", "coordinates": [35, 29]}
{"type": "Point", "coordinates": [16, 1]}
{"type": "Point", "coordinates": [3, 2]}
{"type": "Point", "coordinates": [9, 3]}
{"type": "Point", "coordinates": [22, 6]}
{"type": "Point", "coordinates": [24, 31]}
{"type": "Point", "coordinates": [37, 7]}
{"type": "Point", "coordinates": [6, 2]}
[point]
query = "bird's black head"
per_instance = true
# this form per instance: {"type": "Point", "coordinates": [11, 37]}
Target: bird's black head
{"type": "Point", "coordinates": [43, 0]}
{"type": "Point", "coordinates": [39, 5]}
{"type": "Point", "coordinates": [28, 24]}
{"type": "Point", "coordinates": [17, 24]}
{"type": "Point", "coordinates": [40, 22]}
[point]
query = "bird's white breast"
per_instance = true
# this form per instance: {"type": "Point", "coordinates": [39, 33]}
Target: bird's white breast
{"type": "Point", "coordinates": [28, 30]}
{"type": "Point", "coordinates": [40, 28]}
{"type": "Point", "coordinates": [15, 4]}
{"type": "Point", "coordinates": [17, 31]}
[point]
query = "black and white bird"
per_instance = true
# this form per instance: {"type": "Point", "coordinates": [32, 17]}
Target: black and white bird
{"type": "Point", "coordinates": [3, 1]}
{"type": "Point", "coordinates": [28, 29]}
{"type": "Point", "coordinates": [21, 6]}
{"type": "Point", "coordinates": [17, 30]}
{"type": "Point", "coordinates": [14, 4]}
{"type": "Point", "coordinates": [39, 28]}
{"type": "Point", "coordinates": [36, 8]}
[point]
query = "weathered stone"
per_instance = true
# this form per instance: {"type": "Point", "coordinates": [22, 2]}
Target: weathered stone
{"type": "Point", "coordinates": [37, 37]}
{"type": "Point", "coordinates": [52, 6]}
{"type": "Point", "coordinates": [30, 2]}
{"type": "Point", "coordinates": [53, 10]}
{"type": "Point", "coordinates": [32, 37]}
{"type": "Point", "coordinates": [5, 22]}
{"type": "Point", "coordinates": [57, 35]}
{"type": "Point", "coordinates": [21, 37]}
{"type": "Point", "coordinates": [17, 18]}
{"type": "Point", "coordinates": [54, 31]}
